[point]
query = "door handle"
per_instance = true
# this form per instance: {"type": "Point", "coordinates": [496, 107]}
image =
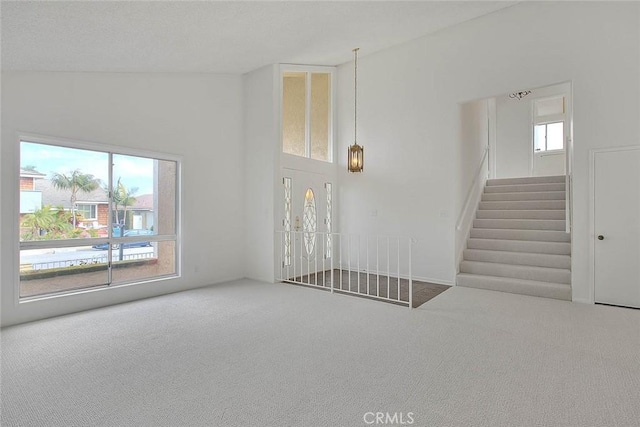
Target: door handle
{"type": "Point", "coordinates": [600, 237]}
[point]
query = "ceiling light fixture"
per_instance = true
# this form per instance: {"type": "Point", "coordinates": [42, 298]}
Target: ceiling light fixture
{"type": "Point", "coordinates": [519, 95]}
{"type": "Point", "coordinates": [355, 154]}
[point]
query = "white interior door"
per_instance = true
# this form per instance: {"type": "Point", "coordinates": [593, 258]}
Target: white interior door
{"type": "Point", "coordinates": [617, 227]}
{"type": "Point", "coordinates": [549, 164]}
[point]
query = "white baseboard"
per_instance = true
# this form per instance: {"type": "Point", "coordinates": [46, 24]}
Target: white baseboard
{"type": "Point", "coordinates": [436, 281]}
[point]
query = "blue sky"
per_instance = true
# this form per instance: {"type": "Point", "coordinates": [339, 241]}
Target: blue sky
{"type": "Point", "coordinates": [49, 159]}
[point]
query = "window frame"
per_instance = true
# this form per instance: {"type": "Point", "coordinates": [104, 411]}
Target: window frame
{"type": "Point", "coordinates": [110, 150]}
{"type": "Point", "coordinates": [287, 184]}
{"type": "Point", "coordinates": [547, 120]}
{"type": "Point", "coordinates": [309, 69]}
{"type": "Point", "coordinates": [92, 206]}
{"type": "Point", "coordinates": [328, 221]}
{"type": "Point", "coordinates": [546, 124]}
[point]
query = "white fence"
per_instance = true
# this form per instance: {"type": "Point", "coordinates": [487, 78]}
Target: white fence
{"type": "Point", "coordinates": [100, 259]}
{"type": "Point", "coordinates": [377, 267]}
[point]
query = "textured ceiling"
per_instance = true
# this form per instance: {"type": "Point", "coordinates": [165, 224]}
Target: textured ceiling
{"type": "Point", "coordinates": [212, 36]}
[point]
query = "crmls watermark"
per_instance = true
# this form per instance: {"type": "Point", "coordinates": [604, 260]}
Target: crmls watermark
{"type": "Point", "coordinates": [388, 418]}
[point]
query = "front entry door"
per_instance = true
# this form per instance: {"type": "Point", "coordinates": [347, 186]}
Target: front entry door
{"type": "Point", "coordinates": [617, 227]}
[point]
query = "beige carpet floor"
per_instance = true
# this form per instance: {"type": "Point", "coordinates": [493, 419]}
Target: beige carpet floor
{"type": "Point", "coordinates": [256, 354]}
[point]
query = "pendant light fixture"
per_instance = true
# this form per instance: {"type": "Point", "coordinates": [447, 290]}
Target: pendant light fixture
{"type": "Point", "coordinates": [355, 154]}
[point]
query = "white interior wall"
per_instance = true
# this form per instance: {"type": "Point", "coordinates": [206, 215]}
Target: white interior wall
{"type": "Point", "coordinates": [492, 116]}
{"type": "Point", "coordinates": [473, 140]}
{"type": "Point", "coordinates": [406, 188]}
{"type": "Point", "coordinates": [514, 130]}
{"type": "Point", "coordinates": [408, 117]}
{"type": "Point", "coordinates": [196, 116]}
{"type": "Point", "coordinates": [473, 165]}
{"type": "Point", "coordinates": [261, 164]}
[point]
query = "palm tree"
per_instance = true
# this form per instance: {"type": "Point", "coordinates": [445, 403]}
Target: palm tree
{"type": "Point", "coordinates": [123, 197]}
{"type": "Point", "coordinates": [55, 222]}
{"type": "Point", "coordinates": [76, 181]}
{"type": "Point", "coordinates": [40, 219]}
{"type": "Point", "coordinates": [62, 223]}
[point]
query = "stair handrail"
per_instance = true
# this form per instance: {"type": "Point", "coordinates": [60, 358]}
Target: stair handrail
{"type": "Point", "coordinates": [568, 184]}
{"type": "Point", "coordinates": [468, 198]}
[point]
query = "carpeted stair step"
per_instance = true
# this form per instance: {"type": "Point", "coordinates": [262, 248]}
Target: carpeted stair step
{"type": "Point", "coordinates": [558, 214]}
{"type": "Point", "coordinates": [527, 180]}
{"type": "Point", "coordinates": [541, 274]}
{"type": "Point", "coordinates": [523, 205]}
{"type": "Point", "coordinates": [516, 286]}
{"type": "Point", "coordinates": [521, 224]}
{"type": "Point", "coordinates": [557, 248]}
{"type": "Point", "coordinates": [518, 241]}
{"type": "Point", "coordinates": [533, 195]}
{"type": "Point", "coordinates": [524, 188]}
{"type": "Point", "coordinates": [519, 258]}
{"type": "Point", "coordinates": [506, 234]}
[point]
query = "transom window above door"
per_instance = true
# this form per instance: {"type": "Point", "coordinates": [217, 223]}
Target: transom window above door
{"type": "Point", "coordinates": [306, 114]}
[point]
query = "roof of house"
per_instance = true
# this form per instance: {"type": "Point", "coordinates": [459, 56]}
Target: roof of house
{"type": "Point", "coordinates": [55, 197]}
{"type": "Point", "coordinates": [31, 173]}
{"type": "Point", "coordinates": [143, 202]}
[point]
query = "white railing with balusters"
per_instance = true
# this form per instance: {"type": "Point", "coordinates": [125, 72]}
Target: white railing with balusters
{"type": "Point", "coordinates": [100, 259]}
{"type": "Point", "coordinates": [377, 267]}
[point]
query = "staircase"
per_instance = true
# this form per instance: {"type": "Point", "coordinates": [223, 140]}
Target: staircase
{"type": "Point", "coordinates": [518, 242]}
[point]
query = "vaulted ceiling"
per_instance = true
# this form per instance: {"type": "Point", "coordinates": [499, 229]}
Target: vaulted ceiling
{"type": "Point", "coordinates": [213, 36]}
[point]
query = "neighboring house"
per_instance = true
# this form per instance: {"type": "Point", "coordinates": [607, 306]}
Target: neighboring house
{"type": "Point", "coordinates": [93, 206]}
{"type": "Point", "coordinates": [142, 212]}
{"type": "Point", "coordinates": [30, 197]}
{"type": "Point", "coordinates": [27, 179]}
{"type": "Point", "coordinates": [37, 191]}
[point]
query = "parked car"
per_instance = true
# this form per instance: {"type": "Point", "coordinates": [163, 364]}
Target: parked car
{"type": "Point", "coordinates": [116, 233]}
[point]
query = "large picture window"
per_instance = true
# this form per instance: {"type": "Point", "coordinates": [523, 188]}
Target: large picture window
{"type": "Point", "coordinates": [93, 217]}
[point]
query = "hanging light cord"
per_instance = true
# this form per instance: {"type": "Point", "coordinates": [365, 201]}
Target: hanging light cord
{"type": "Point", "coordinates": [355, 98]}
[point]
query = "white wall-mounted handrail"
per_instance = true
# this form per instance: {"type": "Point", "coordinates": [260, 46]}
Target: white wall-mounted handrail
{"type": "Point", "coordinates": [568, 184]}
{"type": "Point", "coordinates": [478, 175]}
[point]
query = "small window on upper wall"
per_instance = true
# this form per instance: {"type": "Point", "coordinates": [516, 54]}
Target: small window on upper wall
{"type": "Point", "coordinates": [306, 114]}
{"type": "Point", "coordinates": [548, 123]}
{"type": "Point", "coordinates": [548, 136]}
